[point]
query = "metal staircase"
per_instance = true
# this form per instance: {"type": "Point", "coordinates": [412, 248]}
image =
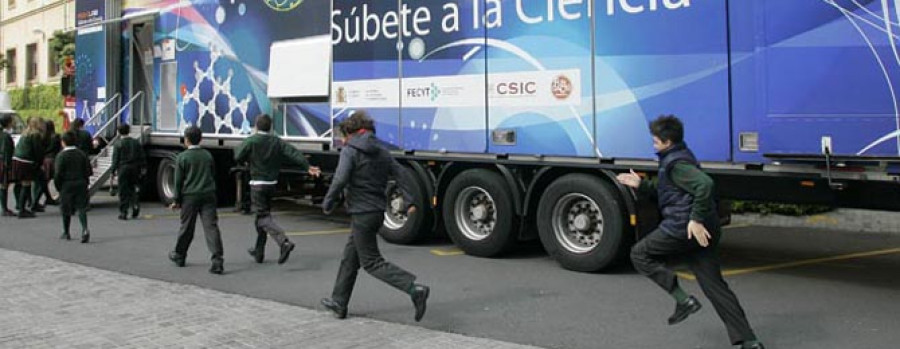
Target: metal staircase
{"type": "Point", "coordinates": [102, 162]}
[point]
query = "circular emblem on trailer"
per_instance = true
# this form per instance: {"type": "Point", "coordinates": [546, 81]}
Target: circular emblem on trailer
{"type": "Point", "coordinates": [561, 87]}
{"type": "Point", "coordinates": [283, 5]}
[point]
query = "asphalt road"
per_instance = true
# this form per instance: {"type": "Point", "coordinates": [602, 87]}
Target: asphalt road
{"type": "Point", "coordinates": [801, 288]}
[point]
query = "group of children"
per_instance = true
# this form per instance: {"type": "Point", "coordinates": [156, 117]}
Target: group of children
{"type": "Point", "coordinates": [42, 155]}
{"type": "Point", "coordinates": [265, 154]}
{"type": "Point", "coordinates": [683, 192]}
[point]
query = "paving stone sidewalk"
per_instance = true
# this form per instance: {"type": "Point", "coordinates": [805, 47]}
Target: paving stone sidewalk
{"type": "Point", "coordinates": [46, 303]}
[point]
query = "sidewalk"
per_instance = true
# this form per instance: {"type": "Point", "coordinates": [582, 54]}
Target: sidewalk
{"type": "Point", "coordinates": [853, 220]}
{"type": "Point", "coordinates": [47, 303]}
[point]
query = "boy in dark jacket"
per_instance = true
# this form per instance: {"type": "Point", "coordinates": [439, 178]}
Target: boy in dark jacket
{"type": "Point", "coordinates": [84, 141]}
{"type": "Point", "coordinates": [363, 170]}
{"type": "Point", "coordinates": [685, 198]}
{"type": "Point", "coordinates": [195, 194]}
{"type": "Point", "coordinates": [7, 147]}
{"type": "Point", "coordinates": [128, 161]}
{"type": "Point", "coordinates": [72, 173]}
{"type": "Point", "coordinates": [265, 153]}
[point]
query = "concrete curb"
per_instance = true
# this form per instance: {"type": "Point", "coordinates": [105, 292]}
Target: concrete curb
{"type": "Point", "coordinates": [866, 221]}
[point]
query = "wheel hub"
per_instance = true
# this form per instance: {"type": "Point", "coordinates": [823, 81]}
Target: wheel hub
{"type": "Point", "coordinates": [479, 213]}
{"type": "Point", "coordinates": [396, 203]}
{"type": "Point", "coordinates": [582, 223]}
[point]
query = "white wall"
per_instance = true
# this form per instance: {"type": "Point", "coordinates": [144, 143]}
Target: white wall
{"type": "Point", "coordinates": [17, 27]}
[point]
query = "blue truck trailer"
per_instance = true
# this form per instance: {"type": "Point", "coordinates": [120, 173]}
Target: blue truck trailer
{"type": "Point", "coordinates": [513, 116]}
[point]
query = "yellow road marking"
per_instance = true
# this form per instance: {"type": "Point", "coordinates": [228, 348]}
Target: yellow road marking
{"type": "Point", "coordinates": [822, 219]}
{"type": "Point", "coordinates": [447, 252]}
{"type": "Point", "coordinates": [733, 272]}
{"type": "Point", "coordinates": [320, 232]}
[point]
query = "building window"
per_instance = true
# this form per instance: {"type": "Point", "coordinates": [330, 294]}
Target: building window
{"type": "Point", "coordinates": [11, 66]}
{"type": "Point", "coordinates": [31, 62]}
{"type": "Point", "coordinates": [52, 65]}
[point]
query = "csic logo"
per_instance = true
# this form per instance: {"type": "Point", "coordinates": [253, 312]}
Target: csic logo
{"type": "Point", "coordinates": [283, 5]}
{"type": "Point", "coordinates": [516, 88]}
{"type": "Point", "coordinates": [561, 87]}
{"type": "Point", "coordinates": [432, 92]}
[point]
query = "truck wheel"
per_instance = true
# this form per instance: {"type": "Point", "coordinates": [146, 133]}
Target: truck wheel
{"type": "Point", "coordinates": [580, 223]}
{"type": "Point", "coordinates": [478, 213]}
{"type": "Point", "coordinates": [400, 228]}
{"type": "Point", "coordinates": [165, 181]}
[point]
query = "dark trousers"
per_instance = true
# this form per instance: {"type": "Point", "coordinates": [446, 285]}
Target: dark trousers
{"type": "Point", "coordinates": [73, 198]}
{"type": "Point", "coordinates": [265, 224]}
{"type": "Point", "coordinates": [129, 180]}
{"type": "Point", "coordinates": [205, 207]}
{"type": "Point", "coordinates": [362, 250]}
{"type": "Point", "coordinates": [649, 256]}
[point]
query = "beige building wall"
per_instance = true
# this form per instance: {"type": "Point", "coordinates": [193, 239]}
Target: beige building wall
{"type": "Point", "coordinates": [24, 22]}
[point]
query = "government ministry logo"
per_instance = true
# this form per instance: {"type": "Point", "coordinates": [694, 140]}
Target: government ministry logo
{"type": "Point", "coordinates": [283, 5]}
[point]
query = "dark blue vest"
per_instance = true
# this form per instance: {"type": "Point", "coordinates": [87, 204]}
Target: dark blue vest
{"type": "Point", "coordinates": [674, 203]}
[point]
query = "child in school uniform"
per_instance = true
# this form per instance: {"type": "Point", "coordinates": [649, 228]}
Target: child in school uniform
{"type": "Point", "coordinates": [71, 175]}
{"type": "Point", "coordinates": [29, 154]}
{"type": "Point", "coordinates": [7, 147]}
{"type": "Point", "coordinates": [52, 146]}
{"type": "Point", "coordinates": [128, 160]}
{"type": "Point", "coordinates": [195, 194]}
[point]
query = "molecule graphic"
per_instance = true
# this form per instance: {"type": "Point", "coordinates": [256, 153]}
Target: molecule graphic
{"type": "Point", "coordinates": [220, 87]}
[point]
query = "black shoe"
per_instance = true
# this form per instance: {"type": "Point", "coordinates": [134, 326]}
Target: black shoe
{"type": "Point", "coordinates": [136, 213]}
{"type": "Point", "coordinates": [51, 202]}
{"type": "Point", "coordinates": [756, 345]}
{"type": "Point", "coordinates": [217, 268]}
{"type": "Point", "coordinates": [85, 236]}
{"type": "Point", "coordinates": [286, 249]}
{"type": "Point", "coordinates": [684, 309]}
{"type": "Point", "coordinates": [8, 213]}
{"type": "Point", "coordinates": [65, 236]}
{"type": "Point", "coordinates": [26, 214]}
{"type": "Point", "coordinates": [122, 217]}
{"type": "Point", "coordinates": [176, 258]}
{"type": "Point", "coordinates": [37, 208]}
{"type": "Point", "coordinates": [340, 311]}
{"type": "Point", "coordinates": [419, 298]}
{"type": "Point", "coordinates": [257, 254]}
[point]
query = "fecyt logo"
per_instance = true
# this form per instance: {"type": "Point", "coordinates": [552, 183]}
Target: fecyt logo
{"type": "Point", "coordinates": [432, 92]}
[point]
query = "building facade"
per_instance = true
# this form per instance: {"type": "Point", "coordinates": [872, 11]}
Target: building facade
{"type": "Point", "coordinates": [26, 27]}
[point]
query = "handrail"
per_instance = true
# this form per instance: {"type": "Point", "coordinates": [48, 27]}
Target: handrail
{"type": "Point", "coordinates": [115, 117]}
{"type": "Point", "coordinates": [102, 109]}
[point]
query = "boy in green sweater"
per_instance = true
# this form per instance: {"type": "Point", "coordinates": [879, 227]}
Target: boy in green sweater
{"type": "Point", "coordinates": [128, 160]}
{"type": "Point", "coordinates": [71, 175]}
{"type": "Point", "coordinates": [195, 194]}
{"type": "Point", "coordinates": [265, 154]}
{"type": "Point", "coordinates": [684, 195]}
{"type": "Point", "coordinates": [7, 146]}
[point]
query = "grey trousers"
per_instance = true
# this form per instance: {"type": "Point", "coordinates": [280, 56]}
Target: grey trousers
{"type": "Point", "coordinates": [649, 256]}
{"type": "Point", "coordinates": [362, 251]}
{"type": "Point", "coordinates": [261, 196]}
{"type": "Point", "coordinates": [206, 209]}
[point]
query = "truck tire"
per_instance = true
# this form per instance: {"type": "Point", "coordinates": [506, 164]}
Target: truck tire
{"type": "Point", "coordinates": [581, 224]}
{"type": "Point", "coordinates": [478, 213]}
{"type": "Point", "coordinates": [165, 180]}
{"type": "Point", "coordinates": [400, 228]}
